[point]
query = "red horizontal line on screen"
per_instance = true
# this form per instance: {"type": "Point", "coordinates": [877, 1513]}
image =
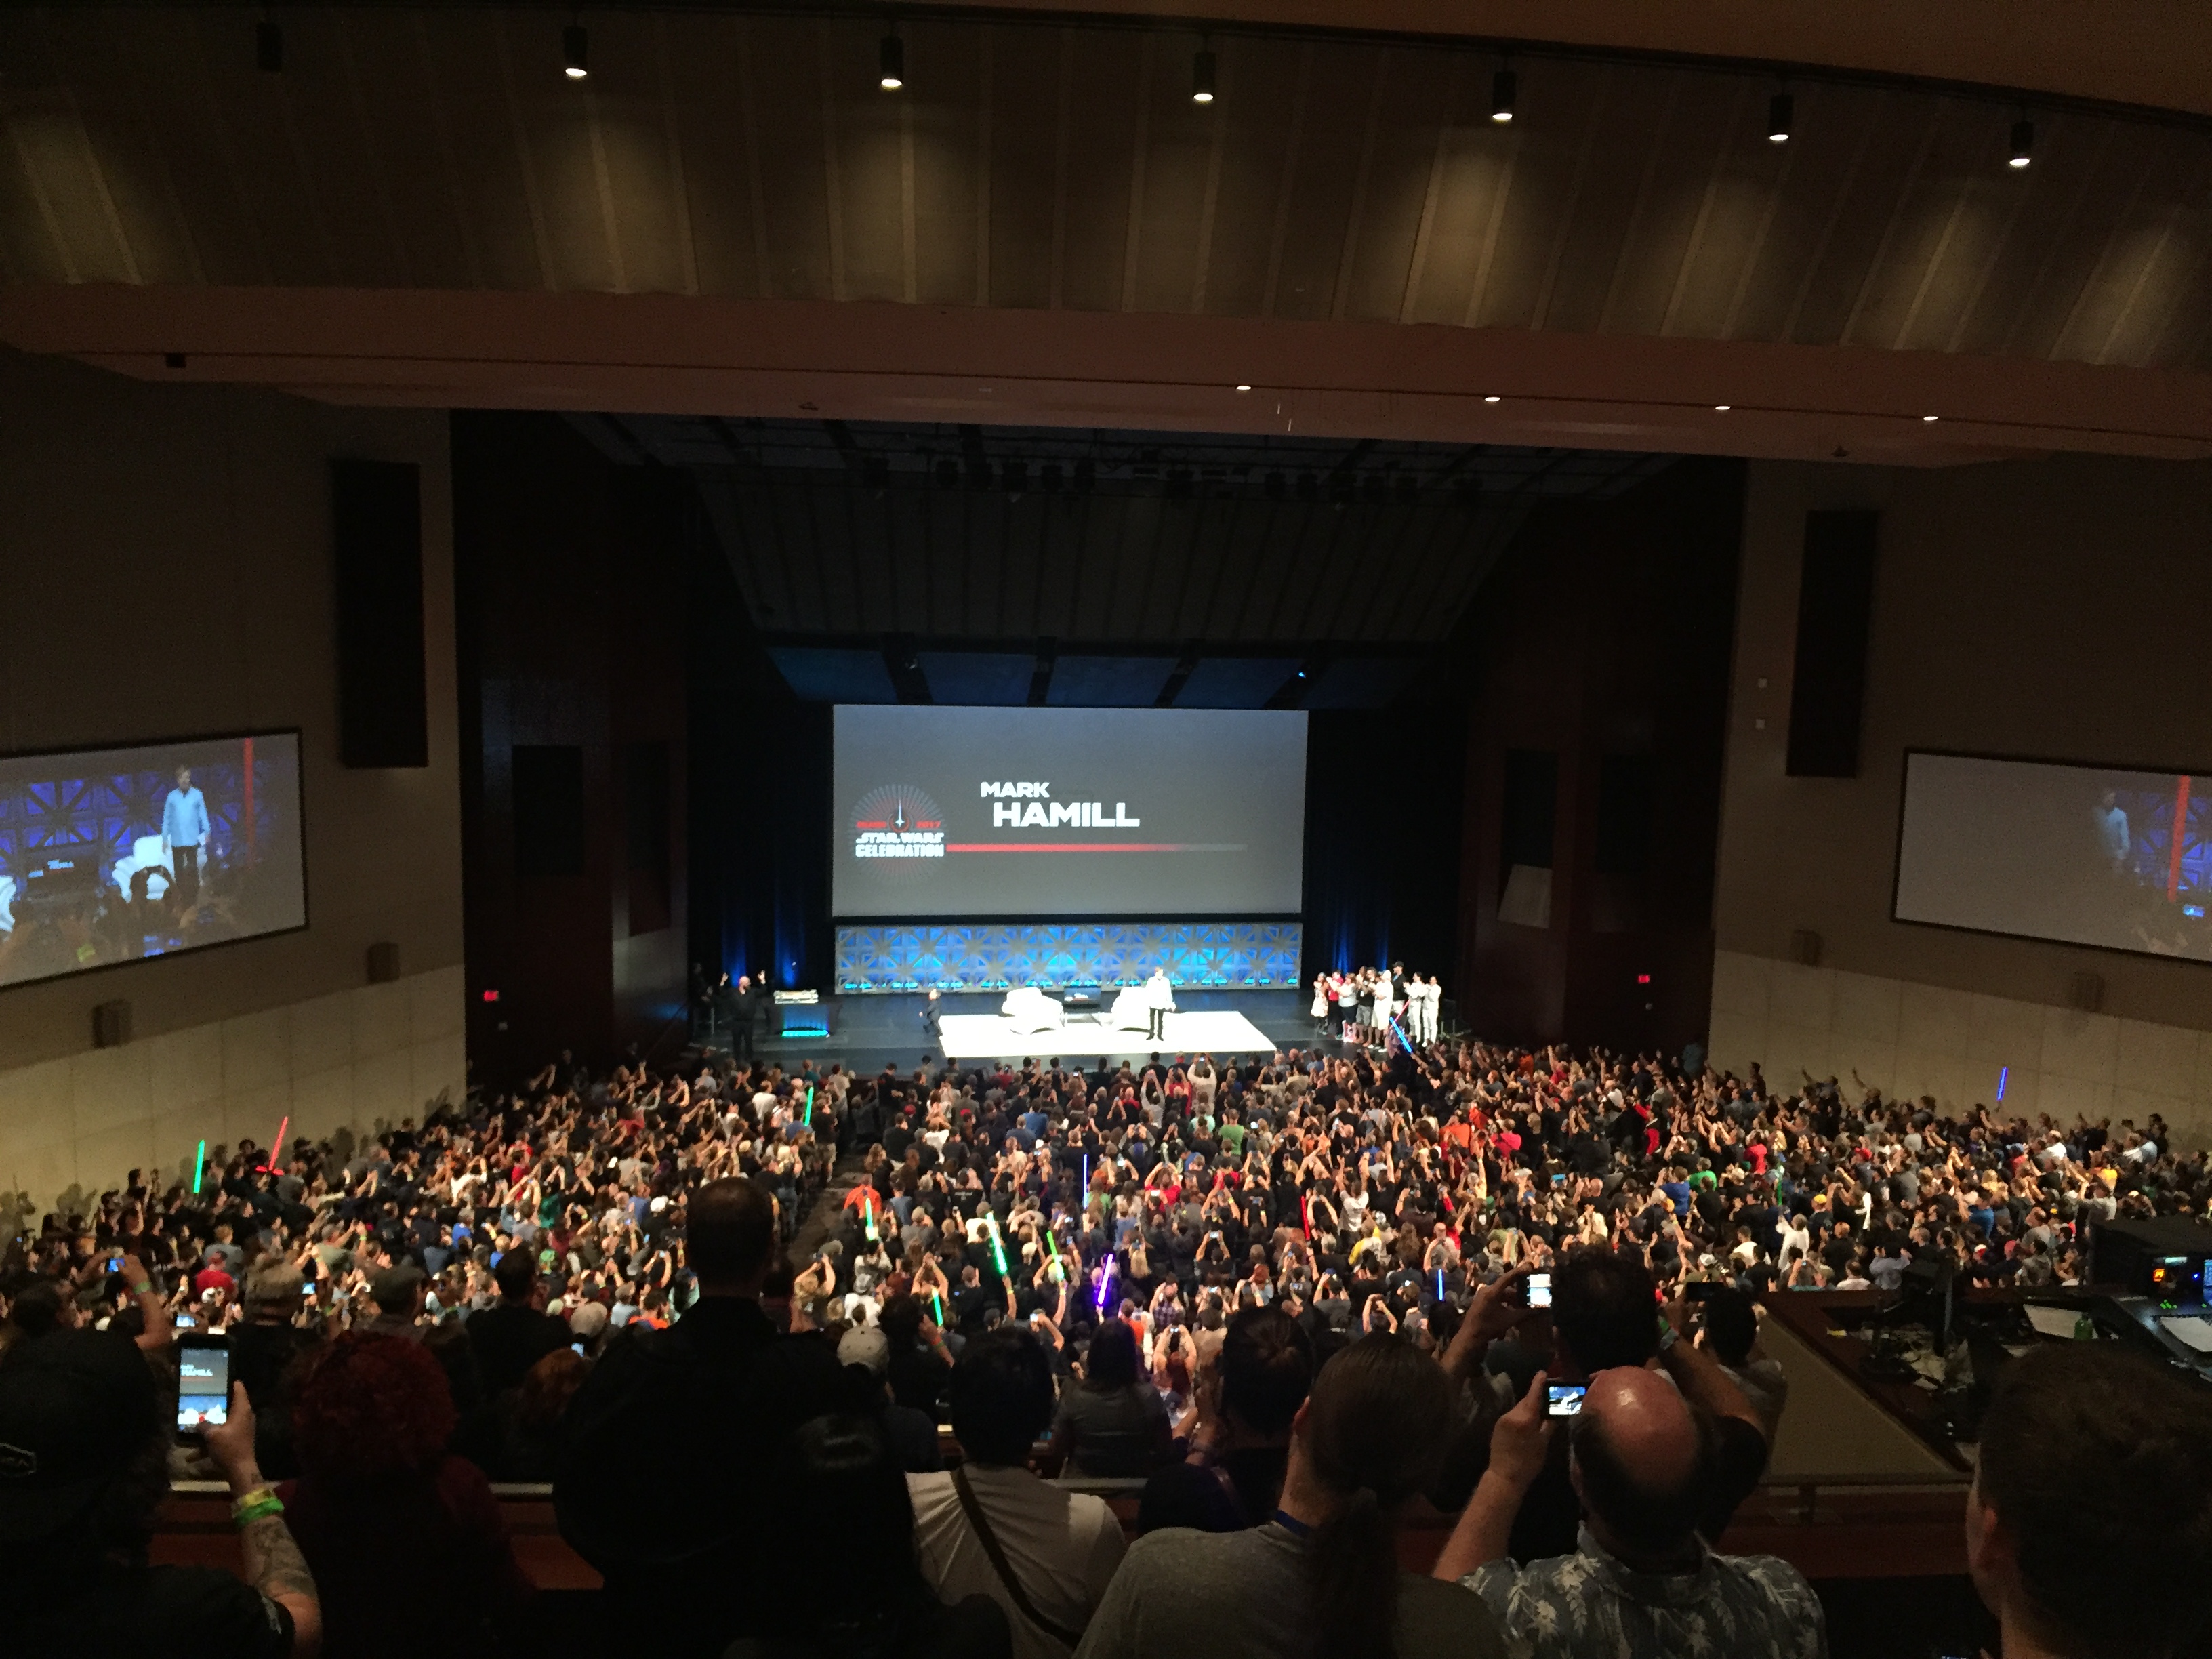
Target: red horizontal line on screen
{"type": "Point", "coordinates": [1092, 847]}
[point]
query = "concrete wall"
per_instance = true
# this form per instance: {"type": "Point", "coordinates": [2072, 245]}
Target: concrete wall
{"type": "Point", "coordinates": [169, 573]}
{"type": "Point", "coordinates": [2049, 609]}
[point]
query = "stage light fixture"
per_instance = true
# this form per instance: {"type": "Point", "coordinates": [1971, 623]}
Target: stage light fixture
{"type": "Point", "coordinates": [1781, 113]}
{"type": "Point", "coordinates": [1503, 86]}
{"type": "Point", "coordinates": [268, 46]}
{"type": "Point", "coordinates": [1201, 77]}
{"type": "Point", "coordinates": [2023, 143]}
{"type": "Point", "coordinates": [576, 51]}
{"type": "Point", "coordinates": [890, 62]}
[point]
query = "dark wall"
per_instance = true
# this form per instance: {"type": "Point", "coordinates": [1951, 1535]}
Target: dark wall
{"type": "Point", "coordinates": [760, 801]}
{"type": "Point", "coordinates": [570, 575]}
{"type": "Point", "coordinates": [1602, 642]}
{"type": "Point", "coordinates": [1382, 836]}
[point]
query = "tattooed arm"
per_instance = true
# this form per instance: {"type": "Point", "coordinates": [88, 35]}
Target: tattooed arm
{"type": "Point", "coordinates": [274, 1565]}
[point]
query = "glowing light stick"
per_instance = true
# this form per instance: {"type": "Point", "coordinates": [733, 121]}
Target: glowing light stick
{"type": "Point", "coordinates": [868, 1214]}
{"type": "Point", "coordinates": [277, 1146]}
{"type": "Point", "coordinates": [809, 1105]}
{"type": "Point", "coordinates": [939, 1302]}
{"type": "Point", "coordinates": [1440, 1284]}
{"type": "Point", "coordinates": [199, 1167]}
{"type": "Point", "coordinates": [998, 1249]}
{"type": "Point", "coordinates": [1105, 1283]}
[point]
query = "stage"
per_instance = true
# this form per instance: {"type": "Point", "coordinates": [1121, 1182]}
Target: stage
{"type": "Point", "coordinates": [869, 1032]}
{"type": "Point", "coordinates": [993, 1037]}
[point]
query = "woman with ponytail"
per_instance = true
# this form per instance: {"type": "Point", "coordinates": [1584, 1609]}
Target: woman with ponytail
{"type": "Point", "coordinates": [1321, 1580]}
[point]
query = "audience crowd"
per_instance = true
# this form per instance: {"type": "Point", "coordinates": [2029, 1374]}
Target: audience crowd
{"type": "Point", "coordinates": [1293, 1294]}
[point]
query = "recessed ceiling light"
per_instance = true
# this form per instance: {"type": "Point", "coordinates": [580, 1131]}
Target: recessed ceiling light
{"type": "Point", "coordinates": [1722, 409]}
{"type": "Point", "coordinates": [1491, 399]}
{"type": "Point", "coordinates": [1201, 77]}
{"type": "Point", "coordinates": [890, 62]}
{"type": "Point", "coordinates": [2023, 143]}
{"type": "Point", "coordinates": [1931, 417]}
{"type": "Point", "coordinates": [576, 52]}
{"type": "Point", "coordinates": [1244, 388]}
{"type": "Point", "coordinates": [1503, 86]}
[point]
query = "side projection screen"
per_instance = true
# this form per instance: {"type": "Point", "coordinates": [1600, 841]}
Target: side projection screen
{"type": "Point", "coordinates": [970, 812]}
{"type": "Point", "coordinates": [2079, 854]}
{"type": "Point", "coordinates": [112, 855]}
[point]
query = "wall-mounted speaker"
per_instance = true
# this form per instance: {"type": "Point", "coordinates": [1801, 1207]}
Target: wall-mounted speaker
{"type": "Point", "coordinates": [111, 1024]}
{"type": "Point", "coordinates": [1835, 621]}
{"type": "Point", "coordinates": [2086, 992]}
{"type": "Point", "coordinates": [383, 962]}
{"type": "Point", "coordinates": [376, 534]}
{"type": "Point", "coordinates": [1805, 947]}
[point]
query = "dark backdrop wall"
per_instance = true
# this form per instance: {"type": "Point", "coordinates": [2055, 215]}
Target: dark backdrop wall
{"type": "Point", "coordinates": [1594, 757]}
{"type": "Point", "coordinates": [570, 577]}
{"type": "Point", "coordinates": [760, 797]}
{"type": "Point", "coordinates": [1384, 788]}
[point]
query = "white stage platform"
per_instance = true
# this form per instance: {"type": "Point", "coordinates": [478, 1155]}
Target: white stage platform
{"type": "Point", "coordinates": [992, 1036]}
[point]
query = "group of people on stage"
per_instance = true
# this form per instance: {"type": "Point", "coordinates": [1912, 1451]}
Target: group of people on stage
{"type": "Point", "coordinates": [1359, 1006]}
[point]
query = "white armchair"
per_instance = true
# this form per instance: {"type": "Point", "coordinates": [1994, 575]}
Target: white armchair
{"type": "Point", "coordinates": [1030, 1010]}
{"type": "Point", "coordinates": [147, 852]}
{"type": "Point", "coordinates": [1132, 1010]}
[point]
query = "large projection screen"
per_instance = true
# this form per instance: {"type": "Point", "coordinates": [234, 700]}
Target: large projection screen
{"type": "Point", "coordinates": [1052, 812]}
{"type": "Point", "coordinates": [2080, 855]}
{"type": "Point", "coordinates": [113, 856]}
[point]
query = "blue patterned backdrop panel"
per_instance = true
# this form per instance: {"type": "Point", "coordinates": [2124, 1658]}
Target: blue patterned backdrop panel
{"type": "Point", "coordinates": [997, 956]}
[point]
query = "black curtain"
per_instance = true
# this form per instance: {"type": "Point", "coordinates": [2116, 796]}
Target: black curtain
{"type": "Point", "coordinates": [1383, 793]}
{"type": "Point", "coordinates": [760, 798]}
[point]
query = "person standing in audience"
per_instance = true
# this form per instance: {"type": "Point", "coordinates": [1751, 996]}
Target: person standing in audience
{"type": "Point", "coordinates": [1249, 1396]}
{"type": "Point", "coordinates": [838, 1487]}
{"type": "Point", "coordinates": [1112, 1424]}
{"type": "Point", "coordinates": [991, 1527]}
{"type": "Point", "coordinates": [380, 1502]}
{"type": "Point", "coordinates": [513, 1334]}
{"type": "Point", "coordinates": [1322, 1577]}
{"type": "Point", "coordinates": [1641, 1580]}
{"type": "Point", "coordinates": [2089, 1522]}
{"type": "Point", "coordinates": [84, 1465]}
{"type": "Point", "coordinates": [676, 1433]}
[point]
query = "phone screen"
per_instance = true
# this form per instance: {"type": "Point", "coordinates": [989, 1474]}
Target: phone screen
{"type": "Point", "coordinates": [578, 1347]}
{"type": "Point", "coordinates": [203, 1385]}
{"type": "Point", "coordinates": [1565, 1399]}
{"type": "Point", "coordinates": [1540, 1290]}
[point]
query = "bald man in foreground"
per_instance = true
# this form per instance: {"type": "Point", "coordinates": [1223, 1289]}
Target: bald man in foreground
{"type": "Point", "coordinates": [1640, 1581]}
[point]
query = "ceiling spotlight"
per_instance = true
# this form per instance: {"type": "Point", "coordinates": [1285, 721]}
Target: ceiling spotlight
{"type": "Point", "coordinates": [576, 50]}
{"type": "Point", "coordinates": [1244, 388]}
{"type": "Point", "coordinates": [1492, 398]}
{"type": "Point", "coordinates": [890, 61]}
{"type": "Point", "coordinates": [2023, 143]}
{"type": "Point", "coordinates": [1722, 409]}
{"type": "Point", "coordinates": [1201, 77]}
{"type": "Point", "coordinates": [1502, 88]}
{"type": "Point", "coordinates": [1930, 418]}
{"type": "Point", "coordinates": [268, 46]}
{"type": "Point", "coordinates": [1781, 110]}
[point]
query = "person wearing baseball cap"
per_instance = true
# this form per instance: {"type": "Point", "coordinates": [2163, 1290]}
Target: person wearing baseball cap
{"type": "Point", "coordinates": [84, 1445]}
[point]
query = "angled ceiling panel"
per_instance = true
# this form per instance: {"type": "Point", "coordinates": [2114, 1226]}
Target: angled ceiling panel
{"type": "Point", "coordinates": [831, 674]}
{"type": "Point", "coordinates": [1361, 682]}
{"type": "Point", "coordinates": [984, 677]}
{"type": "Point", "coordinates": [1235, 682]}
{"type": "Point", "coordinates": [1108, 681]}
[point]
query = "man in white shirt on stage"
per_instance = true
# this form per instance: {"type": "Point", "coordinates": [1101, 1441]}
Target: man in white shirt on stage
{"type": "Point", "coordinates": [1160, 997]}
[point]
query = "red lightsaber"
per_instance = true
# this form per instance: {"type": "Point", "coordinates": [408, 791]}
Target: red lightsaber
{"type": "Point", "coordinates": [277, 1146]}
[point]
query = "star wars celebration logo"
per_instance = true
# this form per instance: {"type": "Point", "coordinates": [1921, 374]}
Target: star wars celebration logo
{"type": "Point", "coordinates": [900, 828]}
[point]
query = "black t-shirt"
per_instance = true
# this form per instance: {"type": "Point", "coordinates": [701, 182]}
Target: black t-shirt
{"type": "Point", "coordinates": [181, 1613]}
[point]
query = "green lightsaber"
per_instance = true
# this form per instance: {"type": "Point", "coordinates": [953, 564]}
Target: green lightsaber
{"type": "Point", "coordinates": [939, 1302]}
{"type": "Point", "coordinates": [809, 1105]}
{"type": "Point", "coordinates": [997, 1250]}
{"type": "Point", "coordinates": [199, 1167]}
